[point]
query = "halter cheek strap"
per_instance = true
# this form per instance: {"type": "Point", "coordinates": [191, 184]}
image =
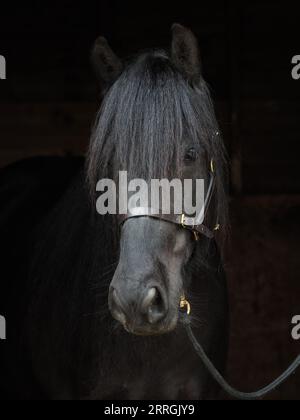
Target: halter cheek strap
{"type": "Point", "coordinates": [195, 225]}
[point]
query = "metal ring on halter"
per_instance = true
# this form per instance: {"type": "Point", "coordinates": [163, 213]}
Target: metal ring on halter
{"type": "Point", "coordinates": [185, 304]}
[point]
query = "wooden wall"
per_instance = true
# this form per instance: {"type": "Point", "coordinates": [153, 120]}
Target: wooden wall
{"type": "Point", "coordinates": [48, 102]}
{"type": "Point", "coordinates": [270, 98]}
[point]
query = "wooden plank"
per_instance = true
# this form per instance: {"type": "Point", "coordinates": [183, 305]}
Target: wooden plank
{"type": "Point", "coordinates": [39, 129]}
{"type": "Point", "coordinates": [235, 147]}
{"type": "Point", "coordinates": [31, 126]}
{"type": "Point", "coordinates": [271, 178]}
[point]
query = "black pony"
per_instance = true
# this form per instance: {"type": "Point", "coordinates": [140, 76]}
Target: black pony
{"type": "Point", "coordinates": [68, 272]}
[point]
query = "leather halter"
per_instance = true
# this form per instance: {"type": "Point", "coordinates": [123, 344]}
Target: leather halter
{"type": "Point", "coordinates": [182, 220]}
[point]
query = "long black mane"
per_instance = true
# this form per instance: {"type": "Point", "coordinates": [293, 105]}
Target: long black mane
{"type": "Point", "coordinates": [143, 120]}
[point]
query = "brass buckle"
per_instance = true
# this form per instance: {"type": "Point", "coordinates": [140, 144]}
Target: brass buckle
{"type": "Point", "coordinates": [182, 222]}
{"type": "Point", "coordinates": [184, 225]}
{"type": "Point", "coordinates": [191, 228]}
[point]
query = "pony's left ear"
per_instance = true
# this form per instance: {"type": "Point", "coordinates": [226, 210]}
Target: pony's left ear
{"type": "Point", "coordinates": [186, 52]}
{"type": "Point", "coordinates": [107, 65]}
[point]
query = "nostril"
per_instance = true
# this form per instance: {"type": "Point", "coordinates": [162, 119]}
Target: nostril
{"type": "Point", "coordinates": [154, 306]}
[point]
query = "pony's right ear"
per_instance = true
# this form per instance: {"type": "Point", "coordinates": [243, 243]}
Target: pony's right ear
{"type": "Point", "coordinates": [107, 65]}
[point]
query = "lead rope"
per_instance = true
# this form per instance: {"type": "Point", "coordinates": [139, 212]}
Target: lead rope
{"type": "Point", "coordinates": [216, 374]}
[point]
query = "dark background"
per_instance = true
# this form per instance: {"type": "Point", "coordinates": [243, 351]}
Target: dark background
{"type": "Point", "coordinates": [49, 100]}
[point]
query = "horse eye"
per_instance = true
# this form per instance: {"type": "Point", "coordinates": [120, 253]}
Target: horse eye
{"type": "Point", "coordinates": [191, 155]}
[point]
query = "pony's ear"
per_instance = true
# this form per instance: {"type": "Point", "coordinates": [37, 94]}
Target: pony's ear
{"type": "Point", "coordinates": [107, 65]}
{"type": "Point", "coordinates": [186, 53]}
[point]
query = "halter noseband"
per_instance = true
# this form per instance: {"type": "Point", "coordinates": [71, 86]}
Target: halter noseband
{"type": "Point", "coordinates": [182, 220]}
